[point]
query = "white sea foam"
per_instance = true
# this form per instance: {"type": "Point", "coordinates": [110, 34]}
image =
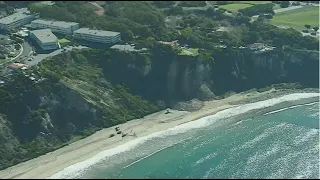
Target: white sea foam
{"type": "Point", "coordinates": [154, 153]}
{"type": "Point", "coordinates": [306, 136]}
{"type": "Point", "coordinates": [208, 157]}
{"type": "Point", "coordinates": [291, 107]}
{"type": "Point", "coordinates": [77, 169]}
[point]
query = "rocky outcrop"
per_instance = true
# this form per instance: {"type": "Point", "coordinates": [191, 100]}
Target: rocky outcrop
{"type": "Point", "coordinates": [191, 105]}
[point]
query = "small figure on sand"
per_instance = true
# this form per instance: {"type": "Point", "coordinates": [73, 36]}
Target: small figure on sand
{"type": "Point", "coordinates": [168, 111]}
{"type": "Point", "coordinates": [124, 134]}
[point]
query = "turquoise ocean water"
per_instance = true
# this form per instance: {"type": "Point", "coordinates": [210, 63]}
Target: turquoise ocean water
{"type": "Point", "coordinates": [283, 144]}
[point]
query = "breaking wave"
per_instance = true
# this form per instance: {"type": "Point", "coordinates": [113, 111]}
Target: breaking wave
{"type": "Point", "coordinates": [78, 169]}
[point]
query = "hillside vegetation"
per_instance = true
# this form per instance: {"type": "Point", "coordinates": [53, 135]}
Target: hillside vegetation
{"type": "Point", "coordinates": [79, 92]}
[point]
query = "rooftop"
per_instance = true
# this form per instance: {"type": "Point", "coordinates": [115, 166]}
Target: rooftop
{"type": "Point", "coordinates": [45, 35]}
{"type": "Point", "coordinates": [17, 65]}
{"type": "Point", "coordinates": [55, 23]}
{"type": "Point", "coordinates": [14, 17]}
{"type": "Point", "coordinates": [96, 32]}
{"type": "Point", "coordinates": [126, 47]}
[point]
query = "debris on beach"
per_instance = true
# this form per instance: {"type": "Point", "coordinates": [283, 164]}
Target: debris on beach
{"type": "Point", "coordinates": [111, 135]}
{"type": "Point", "coordinates": [124, 135]}
{"type": "Point", "coordinates": [167, 112]}
{"type": "Point", "coordinates": [132, 134]}
{"type": "Point", "coordinates": [119, 132]}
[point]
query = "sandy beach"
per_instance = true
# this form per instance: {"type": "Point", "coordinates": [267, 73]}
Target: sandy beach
{"type": "Point", "coordinates": [53, 162]}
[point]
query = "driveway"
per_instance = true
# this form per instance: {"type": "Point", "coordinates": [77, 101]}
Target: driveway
{"type": "Point", "coordinates": [39, 57]}
{"type": "Point", "coordinates": [26, 51]}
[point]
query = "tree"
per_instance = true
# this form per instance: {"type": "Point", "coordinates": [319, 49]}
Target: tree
{"type": "Point", "coordinates": [278, 42]}
{"type": "Point", "coordinates": [174, 11]}
{"type": "Point", "coordinates": [315, 28]}
{"type": "Point", "coordinates": [296, 3]}
{"type": "Point", "coordinates": [257, 9]}
{"type": "Point", "coordinates": [9, 10]}
{"type": "Point", "coordinates": [163, 4]}
{"type": "Point", "coordinates": [284, 4]}
{"type": "Point", "coordinates": [254, 37]}
{"type": "Point", "coordinates": [127, 35]}
{"type": "Point", "coordinates": [307, 26]}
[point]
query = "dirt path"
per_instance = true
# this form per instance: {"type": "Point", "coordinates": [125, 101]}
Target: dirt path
{"type": "Point", "coordinates": [100, 10]}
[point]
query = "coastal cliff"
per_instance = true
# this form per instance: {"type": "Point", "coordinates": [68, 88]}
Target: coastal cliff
{"type": "Point", "coordinates": [83, 91]}
{"type": "Point", "coordinates": [173, 77]}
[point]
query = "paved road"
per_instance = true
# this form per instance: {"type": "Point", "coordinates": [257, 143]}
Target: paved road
{"type": "Point", "coordinates": [39, 57]}
{"type": "Point", "coordinates": [27, 49]}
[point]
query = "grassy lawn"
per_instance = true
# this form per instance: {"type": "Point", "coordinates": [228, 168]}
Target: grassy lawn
{"type": "Point", "coordinates": [189, 52]}
{"type": "Point", "coordinates": [298, 18]}
{"type": "Point", "coordinates": [64, 41]}
{"type": "Point", "coordinates": [276, 6]}
{"type": "Point", "coordinates": [235, 7]}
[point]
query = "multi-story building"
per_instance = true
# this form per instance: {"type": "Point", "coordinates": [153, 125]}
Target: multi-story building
{"type": "Point", "coordinates": [107, 37]}
{"type": "Point", "coordinates": [16, 20]}
{"type": "Point", "coordinates": [45, 39]}
{"type": "Point", "coordinates": [61, 27]}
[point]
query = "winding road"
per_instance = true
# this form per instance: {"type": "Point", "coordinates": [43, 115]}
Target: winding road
{"type": "Point", "coordinates": [26, 50]}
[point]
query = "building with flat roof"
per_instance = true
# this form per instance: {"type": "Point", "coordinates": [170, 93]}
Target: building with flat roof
{"type": "Point", "coordinates": [55, 26]}
{"type": "Point", "coordinates": [45, 39]}
{"type": "Point", "coordinates": [99, 36]}
{"type": "Point", "coordinates": [16, 20]}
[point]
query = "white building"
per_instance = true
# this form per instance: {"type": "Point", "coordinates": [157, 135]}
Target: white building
{"type": "Point", "coordinates": [256, 46]}
{"type": "Point", "coordinates": [55, 26]}
{"type": "Point", "coordinates": [45, 39]}
{"type": "Point", "coordinates": [16, 20]}
{"type": "Point", "coordinates": [107, 37]}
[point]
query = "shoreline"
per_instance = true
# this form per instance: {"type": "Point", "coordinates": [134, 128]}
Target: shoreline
{"type": "Point", "coordinates": [51, 163]}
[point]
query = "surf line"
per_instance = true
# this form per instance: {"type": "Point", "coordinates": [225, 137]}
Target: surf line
{"type": "Point", "coordinates": [291, 107]}
{"type": "Point", "coordinates": [155, 153]}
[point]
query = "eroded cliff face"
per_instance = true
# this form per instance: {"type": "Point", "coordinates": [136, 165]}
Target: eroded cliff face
{"type": "Point", "coordinates": [72, 110]}
{"type": "Point", "coordinates": [183, 78]}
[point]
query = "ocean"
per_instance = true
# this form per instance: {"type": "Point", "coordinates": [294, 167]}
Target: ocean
{"type": "Point", "coordinates": [278, 144]}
